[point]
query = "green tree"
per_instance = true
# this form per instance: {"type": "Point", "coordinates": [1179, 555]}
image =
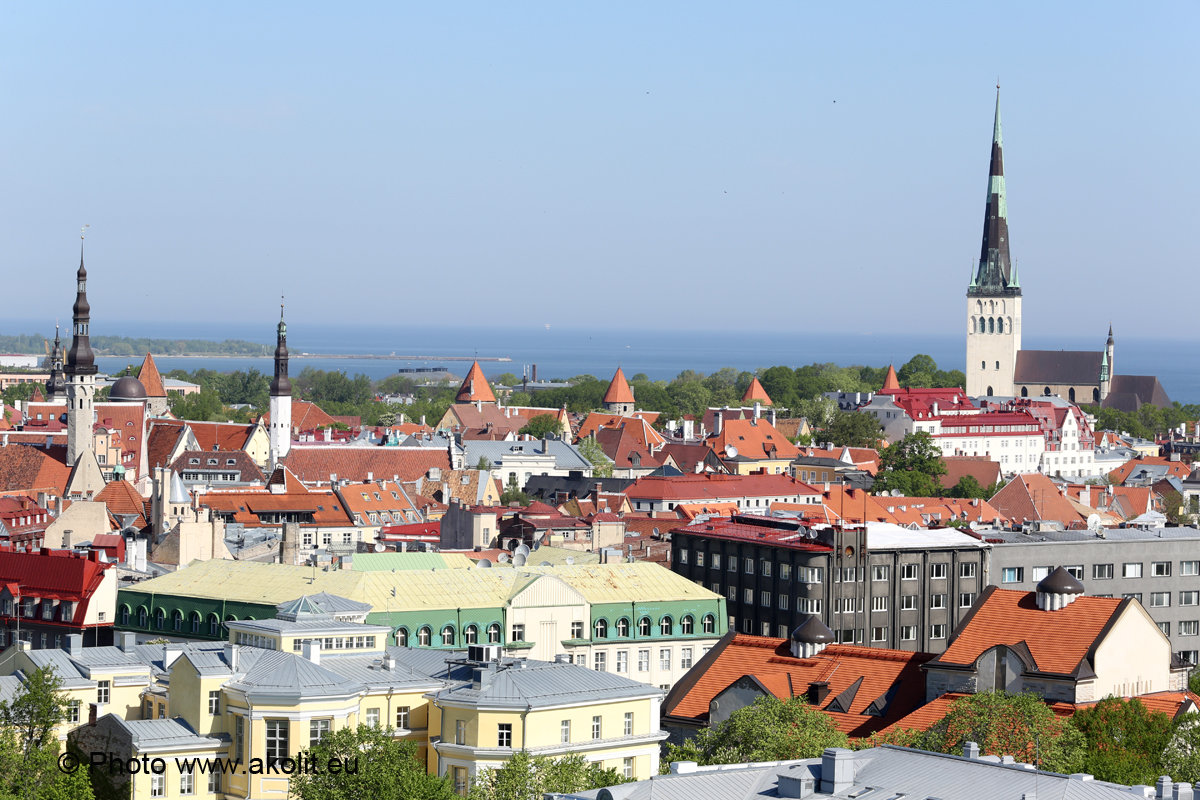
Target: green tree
{"type": "Point", "coordinates": [769, 729]}
{"type": "Point", "coordinates": [29, 744]}
{"type": "Point", "coordinates": [853, 429]}
{"type": "Point", "coordinates": [386, 768]}
{"type": "Point", "coordinates": [1181, 757]}
{"type": "Point", "coordinates": [1125, 740]}
{"type": "Point", "coordinates": [1174, 507]}
{"type": "Point", "coordinates": [918, 371]}
{"type": "Point", "coordinates": [512, 493]}
{"type": "Point", "coordinates": [911, 466]}
{"type": "Point", "coordinates": [968, 487]}
{"type": "Point", "coordinates": [529, 777]}
{"type": "Point", "coordinates": [1021, 725]}
{"type": "Point", "coordinates": [542, 425]}
{"type": "Point", "coordinates": [602, 465]}
{"type": "Point", "coordinates": [819, 411]}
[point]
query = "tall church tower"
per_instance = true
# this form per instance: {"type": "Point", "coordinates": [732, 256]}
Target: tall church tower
{"type": "Point", "coordinates": [80, 369]}
{"type": "Point", "coordinates": [280, 431]}
{"type": "Point", "coordinates": [56, 387]}
{"type": "Point", "coordinates": [994, 294]}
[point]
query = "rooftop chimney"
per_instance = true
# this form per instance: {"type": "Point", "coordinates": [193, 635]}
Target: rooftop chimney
{"type": "Point", "coordinates": [312, 650]}
{"type": "Point", "coordinates": [837, 770]}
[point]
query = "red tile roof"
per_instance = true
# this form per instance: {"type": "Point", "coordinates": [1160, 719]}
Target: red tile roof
{"type": "Point", "coordinates": [708, 486]}
{"type": "Point", "coordinates": [121, 498]}
{"type": "Point", "coordinates": [618, 389]}
{"type": "Point", "coordinates": [639, 422]}
{"type": "Point", "coordinates": [1033, 496]}
{"type": "Point", "coordinates": [127, 423]}
{"type": "Point", "coordinates": [162, 439]}
{"type": "Point", "coordinates": [150, 378]}
{"type": "Point", "coordinates": [475, 387]}
{"type": "Point", "coordinates": [890, 382]}
{"type": "Point", "coordinates": [753, 439]}
{"type": "Point", "coordinates": [315, 464]}
{"type": "Point", "coordinates": [858, 677]}
{"type": "Point", "coordinates": [1176, 468]}
{"type": "Point", "coordinates": [28, 470]}
{"type": "Point", "coordinates": [222, 435]}
{"type": "Point", "coordinates": [981, 468]}
{"type": "Point", "coordinates": [755, 391]}
{"type": "Point", "coordinates": [53, 574]}
{"type": "Point", "coordinates": [1058, 640]}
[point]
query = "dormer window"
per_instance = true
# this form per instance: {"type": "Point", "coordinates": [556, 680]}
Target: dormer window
{"type": "Point", "coordinates": [193, 461]}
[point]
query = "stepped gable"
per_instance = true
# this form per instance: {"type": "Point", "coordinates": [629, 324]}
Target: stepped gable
{"type": "Point", "coordinates": [475, 388]}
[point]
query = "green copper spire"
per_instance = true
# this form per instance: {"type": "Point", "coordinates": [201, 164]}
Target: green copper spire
{"type": "Point", "coordinates": [996, 274]}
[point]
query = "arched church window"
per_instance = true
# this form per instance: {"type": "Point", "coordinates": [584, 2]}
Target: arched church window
{"type": "Point", "coordinates": [1095, 395]}
{"type": "Point", "coordinates": [999, 324]}
{"type": "Point", "coordinates": [1071, 394]}
{"type": "Point", "coordinates": [982, 325]}
{"type": "Point", "coordinates": [983, 365]}
{"type": "Point", "coordinates": [990, 392]}
{"type": "Point", "coordinates": [1024, 391]}
{"type": "Point", "coordinates": [997, 365]}
{"type": "Point", "coordinates": [991, 324]}
{"type": "Point", "coordinates": [1047, 391]}
{"type": "Point", "coordinates": [1008, 325]}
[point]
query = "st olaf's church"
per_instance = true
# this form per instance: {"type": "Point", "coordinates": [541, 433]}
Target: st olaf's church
{"type": "Point", "coordinates": [996, 364]}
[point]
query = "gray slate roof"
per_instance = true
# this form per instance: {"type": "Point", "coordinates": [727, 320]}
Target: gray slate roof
{"type": "Point", "coordinates": [165, 733]}
{"type": "Point", "coordinates": [540, 683]}
{"type": "Point", "coordinates": [566, 456]}
{"type": "Point", "coordinates": [1080, 367]}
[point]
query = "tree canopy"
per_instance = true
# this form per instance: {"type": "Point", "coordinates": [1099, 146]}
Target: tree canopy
{"type": "Point", "coordinates": [388, 769]}
{"type": "Point", "coordinates": [542, 425]}
{"type": "Point", "coordinates": [911, 466]}
{"type": "Point", "coordinates": [1125, 741]}
{"type": "Point", "coordinates": [529, 777]}
{"type": "Point", "coordinates": [29, 744]}
{"type": "Point", "coordinates": [769, 729]}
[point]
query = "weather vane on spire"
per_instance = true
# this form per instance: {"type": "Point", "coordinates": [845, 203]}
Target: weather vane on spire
{"type": "Point", "coordinates": [83, 231]}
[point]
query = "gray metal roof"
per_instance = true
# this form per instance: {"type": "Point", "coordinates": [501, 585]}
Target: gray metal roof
{"type": "Point", "coordinates": [276, 674]}
{"type": "Point", "coordinates": [536, 684]}
{"type": "Point", "coordinates": [164, 733]}
{"type": "Point", "coordinates": [566, 456]}
{"type": "Point", "coordinates": [1003, 537]}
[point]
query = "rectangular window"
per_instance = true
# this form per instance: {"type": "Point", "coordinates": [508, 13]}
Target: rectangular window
{"type": "Point", "coordinates": [908, 602]}
{"type": "Point", "coordinates": [966, 570]}
{"type": "Point", "coordinates": [600, 661]}
{"type": "Point", "coordinates": [908, 633]}
{"type": "Point", "coordinates": [1160, 569]}
{"type": "Point", "coordinates": [764, 628]}
{"type": "Point", "coordinates": [214, 783]}
{"type": "Point", "coordinates": [1133, 596]}
{"type": "Point", "coordinates": [103, 690]}
{"type": "Point", "coordinates": [643, 660]}
{"type": "Point", "coordinates": [765, 568]}
{"type": "Point", "coordinates": [518, 633]}
{"type": "Point", "coordinates": [239, 737]}
{"type": "Point", "coordinates": [937, 571]}
{"type": "Point", "coordinates": [403, 713]}
{"type": "Point", "coordinates": [1189, 627]}
{"type": "Point", "coordinates": [683, 556]}
{"type": "Point", "coordinates": [685, 658]}
{"type": "Point", "coordinates": [783, 602]}
{"type": "Point", "coordinates": [373, 717]}
{"type": "Point", "coordinates": [699, 558]}
{"type": "Point", "coordinates": [504, 734]}
{"type": "Point", "coordinates": [1165, 627]}
{"type": "Point", "coordinates": [158, 785]}
{"type": "Point", "coordinates": [1189, 567]}
{"type": "Point", "coordinates": [848, 575]}
{"type": "Point", "coordinates": [966, 599]}
{"type": "Point", "coordinates": [748, 596]}
{"type": "Point", "coordinates": [1190, 598]}
{"type": "Point", "coordinates": [622, 661]}
{"type": "Point", "coordinates": [749, 566]}
{"type": "Point", "coordinates": [1037, 573]}
{"type": "Point", "coordinates": [597, 728]}
{"type": "Point", "coordinates": [628, 768]}
{"type": "Point", "coordinates": [664, 658]}
{"type": "Point", "coordinates": [937, 601]}
{"type": "Point", "coordinates": [879, 634]}
{"type": "Point", "coordinates": [1075, 571]}
{"type": "Point", "coordinates": [318, 729]}
{"type": "Point", "coordinates": [731, 564]}
{"type": "Point", "coordinates": [1160, 599]}
{"type": "Point", "coordinates": [785, 572]}
{"type": "Point", "coordinates": [908, 572]}
{"type": "Point", "coordinates": [879, 572]}
{"type": "Point", "coordinates": [813, 605]}
{"type": "Point", "coordinates": [629, 723]}
{"type": "Point", "coordinates": [764, 598]}
{"type": "Point", "coordinates": [564, 731]}
{"type": "Point", "coordinates": [277, 740]}
{"type": "Point", "coordinates": [715, 562]}
{"type": "Point", "coordinates": [576, 630]}
{"type": "Point", "coordinates": [460, 731]}
{"type": "Point", "coordinates": [73, 711]}
{"type": "Point", "coordinates": [214, 702]}
{"type": "Point", "coordinates": [814, 575]}
{"type": "Point", "coordinates": [1102, 572]}
{"type": "Point", "coordinates": [1131, 569]}
{"type": "Point", "coordinates": [937, 631]}
{"type": "Point", "coordinates": [1012, 575]}
{"type": "Point", "coordinates": [879, 603]}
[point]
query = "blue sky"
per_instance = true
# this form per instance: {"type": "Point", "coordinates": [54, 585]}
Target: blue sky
{"type": "Point", "coordinates": [777, 166]}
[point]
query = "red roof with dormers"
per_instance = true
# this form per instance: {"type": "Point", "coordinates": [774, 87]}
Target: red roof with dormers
{"type": "Point", "coordinates": [1057, 640]}
{"type": "Point", "coordinates": [475, 387]}
{"type": "Point", "coordinates": [221, 435]}
{"type": "Point", "coordinates": [756, 392]}
{"type": "Point", "coordinates": [150, 378]}
{"type": "Point", "coordinates": [283, 494]}
{"type": "Point", "coordinates": [640, 422]}
{"type": "Point", "coordinates": [751, 439]}
{"type": "Point", "coordinates": [869, 688]}
{"type": "Point", "coordinates": [1177, 469]}
{"type": "Point", "coordinates": [126, 422]}
{"type": "Point", "coordinates": [618, 389]}
{"type": "Point", "coordinates": [54, 575]}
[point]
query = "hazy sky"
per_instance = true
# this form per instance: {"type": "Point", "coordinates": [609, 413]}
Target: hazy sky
{"type": "Point", "coordinates": [784, 166]}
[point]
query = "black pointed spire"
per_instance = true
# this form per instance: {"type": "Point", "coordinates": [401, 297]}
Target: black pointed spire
{"type": "Point", "coordinates": [281, 386]}
{"type": "Point", "coordinates": [57, 385]}
{"type": "Point", "coordinates": [995, 274]}
{"type": "Point", "coordinates": [80, 359]}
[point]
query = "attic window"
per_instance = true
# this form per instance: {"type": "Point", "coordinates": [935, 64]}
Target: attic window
{"type": "Point", "coordinates": [212, 462]}
{"type": "Point", "coordinates": [741, 438]}
{"type": "Point", "coordinates": [320, 508]}
{"type": "Point", "coordinates": [193, 461]}
{"type": "Point", "coordinates": [231, 462]}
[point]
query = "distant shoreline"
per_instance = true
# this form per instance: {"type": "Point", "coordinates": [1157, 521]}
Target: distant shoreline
{"type": "Point", "coordinates": [389, 357]}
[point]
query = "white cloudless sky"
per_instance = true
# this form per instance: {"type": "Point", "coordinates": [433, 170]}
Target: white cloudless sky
{"type": "Point", "coordinates": [776, 166]}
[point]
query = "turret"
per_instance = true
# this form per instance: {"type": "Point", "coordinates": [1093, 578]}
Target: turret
{"type": "Point", "coordinates": [56, 387]}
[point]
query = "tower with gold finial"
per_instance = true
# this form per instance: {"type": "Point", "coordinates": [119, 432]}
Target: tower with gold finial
{"type": "Point", "coordinates": [994, 293]}
{"type": "Point", "coordinates": [280, 430]}
{"type": "Point", "coordinates": [80, 369]}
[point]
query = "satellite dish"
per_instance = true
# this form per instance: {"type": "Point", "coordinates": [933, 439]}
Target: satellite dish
{"type": "Point", "coordinates": [1093, 522]}
{"type": "Point", "coordinates": [536, 545]}
{"type": "Point", "coordinates": [484, 563]}
{"type": "Point", "coordinates": [522, 550]}
{"type": "Point", "coordinates": [379, 548]}
{"type": "Point", "coordinates": [519, 560]}
{"type": "Point", "coordinates": [545, 564]}
{"type": "Point", "coordinates": [730, 451]}
{"type": "Point", "coordinates": [502, 558]}
{"type": "Point", "coordinates": [570, 560]}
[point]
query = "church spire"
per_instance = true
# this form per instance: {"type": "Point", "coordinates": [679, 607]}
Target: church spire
{"type": "Point", "coordinates": [80, 359]}
{"type": "Point", "coordinates": [281, 386]}
{"type": "Point", "coordinates": [995, 274]}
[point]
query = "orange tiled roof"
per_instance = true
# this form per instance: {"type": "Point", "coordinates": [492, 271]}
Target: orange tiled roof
{"type": "Point", "coordinates": [1170, 703]}
{"type": "Point", "coordinates": [1176, 468]}
{"type": "Point", "coordinates": [121, 498]}
{"type": "Point", "coordinates": [221, 435]}
{"type": "Point", "coordinates": [753, 439]}
{"type": "Point", "coordinates": [618, 389]}
{"type": "Point", "coordinates": [27, 469]}
{"type": "Point", "coordinates": [639, 421]}
{"type": "Point", "coordinates": [890, 382]}
{"type": "Point", "coordinates": [755, 391]}
{"type": "Point", "coordinates": [858, 677]}
{"type": "Point", "coordinates": [316, 464]}
{"type": "Point", "coordinates": [690, 511]}
{"type": "Point", "coordinates": [1057, 640]}
{"type": "Point", "coordinates": [475, 387]}
{"type": "Point", "coordinates": [162, 439]}
{"type": "Point", "coordinates": [150, 378]}
{"type": "Point", "coordinates": [1032, 496]}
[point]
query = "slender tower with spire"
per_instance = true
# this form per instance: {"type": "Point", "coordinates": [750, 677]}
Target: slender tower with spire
{"type": "Point", "coordinates": [1106, 365]}
{"type": "Point", "coordinates": [56, 387]}
{"type": "Point", "coordinates": [80, 369]}
{"type": "Point", "coordinates": [280, 431]}
{"type": "Point", "coordinates": [994, 293]}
